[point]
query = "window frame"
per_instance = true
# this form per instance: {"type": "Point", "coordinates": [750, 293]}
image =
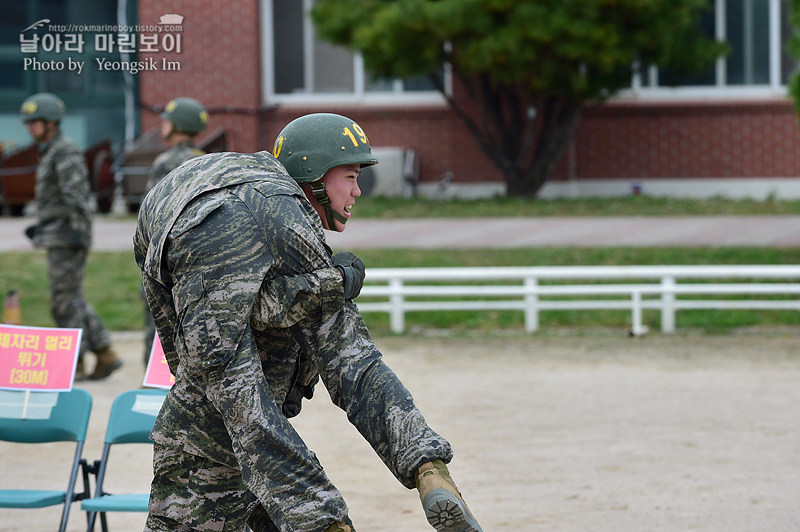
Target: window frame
{"type": "Point", "coordinates": [719, 90]}
{"type": "Point", "coordinates": [359, 95]}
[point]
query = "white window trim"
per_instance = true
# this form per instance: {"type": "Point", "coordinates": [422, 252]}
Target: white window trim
{"type": "Point", "coordinates": [773, 90]}
{"type": "Point", "coordinates": [267, 66]}
{"type": "Point", "coordinates": [775, 44]}
{"type": "Point", "coordinates": [720, 91]}
{"type": "Point", "coordinates": [358, 96]}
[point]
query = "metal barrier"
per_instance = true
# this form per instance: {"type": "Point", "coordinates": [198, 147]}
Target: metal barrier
{"type": "Point", "coordinates": [536, 289]}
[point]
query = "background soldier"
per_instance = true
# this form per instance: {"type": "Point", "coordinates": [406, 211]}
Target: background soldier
{"type": "Point", "coordinates": [64, 229]}
{"type": "Point", "coordinates": [182, 120]}
{"type": "Point", "coordinates": [252, 307]}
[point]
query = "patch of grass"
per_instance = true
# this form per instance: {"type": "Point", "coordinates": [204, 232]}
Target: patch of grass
{"type": "Point", "coordinates": [391, 208]}
{"type": "Point", "coordinates": [465, 321]}
{"type": "Point", "coordinates": [472, 322]}
{"type": "Point", "coordinates": [547, 256]}
{"type": "Point", "coordinates": [112, 286]}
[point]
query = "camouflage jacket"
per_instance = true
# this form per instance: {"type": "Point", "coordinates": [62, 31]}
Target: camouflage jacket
{"type": "Point", "coordinates": [169, 160]}
{"type": "Point", "coordinates": [199, 206]}
{"type": "Point", "coordinates": [63, 196]}
{"type": "Point", "coordinates": [246, 302]}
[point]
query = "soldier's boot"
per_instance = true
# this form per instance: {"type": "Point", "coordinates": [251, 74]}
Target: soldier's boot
{"type": "Point", "coordinates": [338, 527]}
{"type": "Point", "coordinates": [107, 363]}
{"type": "Point", "coordinates": [444, 507]}
{"type": "Point", "coordinates": [80, 371]}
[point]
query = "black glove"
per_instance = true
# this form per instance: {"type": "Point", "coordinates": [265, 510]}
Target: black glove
{"type": "Point", "coordinates": [352, 269]}
{"type": "Point", "coordinates": [294, 399]}
{"type": "Point", "coordinates": [31, 231]}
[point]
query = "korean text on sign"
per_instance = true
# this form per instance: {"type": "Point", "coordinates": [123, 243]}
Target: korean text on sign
{"type": "Point", "coordinates": [38, 358]}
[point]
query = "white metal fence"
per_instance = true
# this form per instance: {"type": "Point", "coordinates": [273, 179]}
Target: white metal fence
{"type": "Point", "coordinates": [533, 290]}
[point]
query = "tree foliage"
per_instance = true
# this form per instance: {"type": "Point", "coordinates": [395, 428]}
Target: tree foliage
{"type": "Point", "coordinates": [794, 49]}
{"type": "Point", "coordinates": [523, 69]}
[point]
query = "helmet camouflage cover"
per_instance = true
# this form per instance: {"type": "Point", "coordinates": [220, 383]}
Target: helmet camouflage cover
{"type": "Point", "coordinates": [187, 114]}
{"type": "Point", "coordinates": [311, 145]}
{"type": "Point", "coordinates": [42, 106]}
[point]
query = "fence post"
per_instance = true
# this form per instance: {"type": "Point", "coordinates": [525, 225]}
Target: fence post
{"type": "Point", "coordinates": [636, 313]}
{"type": "Point", "coordinates": [531, 304]}
{"type": "Point", "coordinates": [396, 315]}
{"type": "Point", "coordinates": [668, 304]}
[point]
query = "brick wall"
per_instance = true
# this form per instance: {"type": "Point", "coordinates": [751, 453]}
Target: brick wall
{"type": "Point", "coordinates": [732, 139]}
{"type": "Point", "coordinates": [442, 144]}
{"type": "Point", "coordinates": [729, 139]}
{"type": "Point", "coordinates": [220, 66]}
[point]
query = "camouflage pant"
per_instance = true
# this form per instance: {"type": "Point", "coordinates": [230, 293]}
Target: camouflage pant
{"type": "Point", "coordinates": [65, 271]}
{"type": "Point", "coordinates": [184, 483]}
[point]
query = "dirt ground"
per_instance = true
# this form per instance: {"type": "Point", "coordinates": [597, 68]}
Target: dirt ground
{"type": "Point", "coordinates": [565, 433]}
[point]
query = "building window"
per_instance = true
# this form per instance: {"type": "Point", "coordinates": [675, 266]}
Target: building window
{"type": "Point", "coordinates": [95, 99]}
{"type": "Point", "coordinates": [756, 31]}
{"type": "Point", "coordinates": [299, 67]}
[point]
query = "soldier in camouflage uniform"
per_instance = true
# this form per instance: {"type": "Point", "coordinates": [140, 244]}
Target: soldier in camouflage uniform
{"type": "Point", "coordinates": [64, 229]}
{"type": "Point", "coordinates": [182, 120]}
{"type": "Point", "coordinates": [252, 308]}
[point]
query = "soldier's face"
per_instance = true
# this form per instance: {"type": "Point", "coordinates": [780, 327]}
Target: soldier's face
{"type": "Point", "coordinates": [341, 184]}
{"type": "Point", "coordinates": [166, 129]}
{"type": "Point", "coordinates": [37, 129]}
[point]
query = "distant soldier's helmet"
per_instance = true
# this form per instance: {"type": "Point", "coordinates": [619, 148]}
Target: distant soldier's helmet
{"type": "Point", "coordinates": [187, 114]}
{"type": "Point", "coordinates": [311, 145]}
{"type": "Point", "coordinates": [42, 106]}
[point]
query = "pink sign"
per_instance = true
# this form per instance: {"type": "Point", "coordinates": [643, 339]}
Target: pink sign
{"type": "Point", "coordinates": [157, 374]}
{"type": "Point", "coordinates": [38, 358]}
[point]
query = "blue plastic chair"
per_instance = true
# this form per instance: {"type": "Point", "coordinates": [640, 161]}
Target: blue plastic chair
{"type": "Point", "coordinates": [43, 417]}
{"type": "Point", "coordinates": [130, 421]}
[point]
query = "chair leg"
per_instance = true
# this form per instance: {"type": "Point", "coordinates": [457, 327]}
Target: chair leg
{"type": "Point", "coordinates": [91, 517]}
{"type": "Point", "coordinates": [71, 495]}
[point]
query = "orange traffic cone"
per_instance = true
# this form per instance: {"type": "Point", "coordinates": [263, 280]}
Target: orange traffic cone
{"type": "Point", "coordinates": [11, 313]}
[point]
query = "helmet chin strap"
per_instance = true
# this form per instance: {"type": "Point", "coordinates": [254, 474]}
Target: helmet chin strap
{"type": "Point", "coordinates": [318, 189]}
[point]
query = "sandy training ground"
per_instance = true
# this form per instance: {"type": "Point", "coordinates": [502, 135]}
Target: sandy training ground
{"type": "Point", "coordinates": [597, 433]}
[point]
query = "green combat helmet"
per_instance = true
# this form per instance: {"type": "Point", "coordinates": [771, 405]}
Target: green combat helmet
{"type": "Point", "coordinates": [187, 115]}
{"type": "Point", "coordinates": [311, 145]}
{"type": "Point", "coordinates": [42, 106]}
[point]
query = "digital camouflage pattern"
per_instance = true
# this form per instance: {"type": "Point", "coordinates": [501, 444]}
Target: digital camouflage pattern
{"type": "Point", "coordinates": [63, 196]}
{"type": "Point", "coordinates": [64, 228]}
{"type": "Point", "coordinates": [169, 160]}
{"type": "Point", "coordinates": [248, 307]}
{"type": "Point", "coordinates": [166, 162]}
{"type": "Point", "coordinates": [65, 267]}
{"type": "Point", "coordinates": [189, 482]}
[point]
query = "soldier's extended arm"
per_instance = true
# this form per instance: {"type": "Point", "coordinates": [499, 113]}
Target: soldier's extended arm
{"type": "Point", "coordinates": [330, 331]}
{"type": "Point", "coordinates": [375, 400]}
{"type": "Point", "coordinates": [334, 335]}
